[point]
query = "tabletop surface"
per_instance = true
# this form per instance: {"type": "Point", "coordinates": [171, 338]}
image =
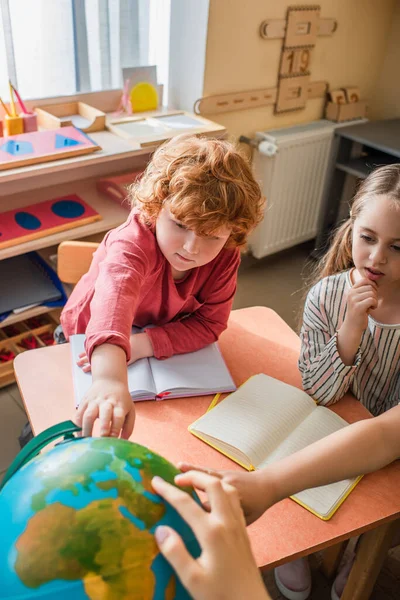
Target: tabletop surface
{"type": "Point", "coordinates": [381, 135]}
{"type": "Point", "coordinates": [257, 340]}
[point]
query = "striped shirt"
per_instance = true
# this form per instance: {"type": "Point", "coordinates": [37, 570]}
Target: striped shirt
{"type": "Point", "coordinates": [375, 376]}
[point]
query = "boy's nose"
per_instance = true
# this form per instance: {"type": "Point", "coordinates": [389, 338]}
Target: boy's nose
{"type": "Point", "coordinates": [192, 243]}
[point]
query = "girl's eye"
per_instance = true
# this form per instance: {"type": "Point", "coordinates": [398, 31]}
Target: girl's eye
{"type": "Point", "coordinates": [367, 238]}
{"type": "Point", "coordinates": [396, 248]}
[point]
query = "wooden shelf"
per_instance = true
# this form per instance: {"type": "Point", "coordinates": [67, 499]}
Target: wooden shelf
{"type": "Point", "coordinates": [113, 148]}
{"type": "Point", "coordinates": [113, 214]}
{"type": "Point", "coordinates": [27, 314]}
{"type": "Point", "coordinates": [116, 155]}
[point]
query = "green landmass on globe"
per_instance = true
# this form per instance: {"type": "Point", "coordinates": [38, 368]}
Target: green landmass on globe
{"type": "Point", "coordinates": [111, 554]}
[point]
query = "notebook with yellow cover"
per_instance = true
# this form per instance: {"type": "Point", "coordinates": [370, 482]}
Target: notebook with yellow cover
{"type": "Point", "coordinates": [266, 420]}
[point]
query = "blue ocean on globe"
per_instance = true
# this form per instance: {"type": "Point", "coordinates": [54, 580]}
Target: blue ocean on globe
{"type": "Point", "coordinates": [77, 523]}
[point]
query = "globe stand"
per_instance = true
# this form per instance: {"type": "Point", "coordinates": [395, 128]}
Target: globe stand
{"type": "Point", "coordinates": [67, 429]}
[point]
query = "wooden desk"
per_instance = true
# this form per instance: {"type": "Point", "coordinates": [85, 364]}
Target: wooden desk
{"type": "Point", "coordinates": [257, 340]}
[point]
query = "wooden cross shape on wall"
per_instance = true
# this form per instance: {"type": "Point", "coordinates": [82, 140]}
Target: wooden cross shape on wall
{"type": "Point", "coordinates": [300, 30]}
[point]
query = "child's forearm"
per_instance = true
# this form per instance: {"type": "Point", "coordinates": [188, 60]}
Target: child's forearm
{"type": "Point", "coordinates": [358, 449]}
{"type": "Point", "coordinates": [348, 343]}
{"type": "Point", "coordinates": [108, 361]}
{"type": "Point", "coordinates": [141, 347]}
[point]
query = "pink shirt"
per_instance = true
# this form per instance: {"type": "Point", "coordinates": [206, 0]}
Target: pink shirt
{"type": "Point", "coordinates": [130, 283]}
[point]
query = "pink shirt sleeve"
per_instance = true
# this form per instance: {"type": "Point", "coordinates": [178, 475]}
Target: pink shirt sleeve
{"type": "Point", "coordinates": [121, 275]}
{"type": "Point", "coordinates": [207, 323]}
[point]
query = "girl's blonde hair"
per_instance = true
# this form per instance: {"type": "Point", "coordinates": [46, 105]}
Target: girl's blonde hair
{"type": "Point", "coordinates": [207, 184]}
{"type": "Point", "coordinates": [382, 181]}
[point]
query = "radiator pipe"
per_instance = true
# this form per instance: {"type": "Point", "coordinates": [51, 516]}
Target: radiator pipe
{"type": "Point", "coordinates": [266, 147]}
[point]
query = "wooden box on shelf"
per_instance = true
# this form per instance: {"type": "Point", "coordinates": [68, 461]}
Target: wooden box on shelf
{"type": "Point", "coordinates": [19, 337]}
{"type": "Point", "coordinates": [83, 116]}
{"type": "Point", "coordinates": [345, 112]}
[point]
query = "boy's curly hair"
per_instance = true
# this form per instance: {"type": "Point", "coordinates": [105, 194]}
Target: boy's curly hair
{"type": "Point", "coordinates": [207, 185]}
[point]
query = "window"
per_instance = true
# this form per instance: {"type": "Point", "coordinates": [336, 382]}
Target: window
{"type": "Point", "coordinates": [62, 47]}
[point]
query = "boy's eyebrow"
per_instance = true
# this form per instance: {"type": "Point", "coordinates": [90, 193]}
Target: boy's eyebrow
{"type": "Point", "coordinates": [374, 232]}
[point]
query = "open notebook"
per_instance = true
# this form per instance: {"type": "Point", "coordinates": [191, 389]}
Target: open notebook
{"type": "Point", "coordinates": [266, 420]}
{"type": "Point", "coordinates": [193, 374]}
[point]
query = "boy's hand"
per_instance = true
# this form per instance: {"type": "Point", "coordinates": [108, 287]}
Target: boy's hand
{"type": "Point", "coordinates": [226, 568]}
{"type": "Point", "coordinates": [362, 297]}
{"type": "Point", "coordinates": [141, 347]}
{"type": "Point", "coordinates": [109, 401]}
{"type": "Point", "coordinates": [255, 497]}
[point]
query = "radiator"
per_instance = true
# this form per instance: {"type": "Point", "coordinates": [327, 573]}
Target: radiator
{"type": "Point", "coordinates": [292, 180]}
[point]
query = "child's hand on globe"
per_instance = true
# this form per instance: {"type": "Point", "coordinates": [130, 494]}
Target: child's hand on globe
{"type": "Point", "coordinates": [226, 568]}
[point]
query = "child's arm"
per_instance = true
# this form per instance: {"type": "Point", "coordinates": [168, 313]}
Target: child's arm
{"type": "Point", "coordinates": [328, 362]}
{"type": "Point", "coordinates": [360, 448]}
{"type": "Point", "coordinates": [205, 325]}
{"type": "Point", "coordinates": [325, 377]}
{"type": "Point", "coordinates": [226, 568]}
{"type": "Point", "coordinates": [362, 297]}
{"type": "Point", "coordinates": [108, 398]}
{"type": "Point", "coordinates": [140, 348]}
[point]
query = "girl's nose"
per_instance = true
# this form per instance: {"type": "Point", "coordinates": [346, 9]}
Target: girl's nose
{"type": "Point", "coordinates": [192, 243]}
{"type": "Point", "coordinates": [378, 255]}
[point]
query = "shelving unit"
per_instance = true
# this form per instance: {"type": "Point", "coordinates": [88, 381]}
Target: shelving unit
{"type": "Point", "coordinates": [13, 335]}
{"type": "Point", "coordinates": [363, 166]}
{"type": "Point", "coordinates": [357, 150]}
{"type": "Point", "coordinates": [113, 214]}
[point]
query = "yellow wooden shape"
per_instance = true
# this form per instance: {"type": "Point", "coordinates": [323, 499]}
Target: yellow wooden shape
{"type": "Point", "coordinates": [143, 97]}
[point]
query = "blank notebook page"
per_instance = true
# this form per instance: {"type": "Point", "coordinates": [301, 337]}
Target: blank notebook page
{"type": "Point", "coordinates": [201, 370]}
{"type": "Point", "coordinates": [257, 417]}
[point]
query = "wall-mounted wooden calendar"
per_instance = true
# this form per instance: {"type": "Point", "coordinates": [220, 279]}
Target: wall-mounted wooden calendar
{"type": "Point", "coordinates": [299, 31]}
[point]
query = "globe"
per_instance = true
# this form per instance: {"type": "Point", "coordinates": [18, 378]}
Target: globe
{"type": "Point", "coordinates": [77, 522]}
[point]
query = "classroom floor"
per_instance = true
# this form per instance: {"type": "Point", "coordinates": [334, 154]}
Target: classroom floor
{"type": "Point", "coordinates": [276, 282]}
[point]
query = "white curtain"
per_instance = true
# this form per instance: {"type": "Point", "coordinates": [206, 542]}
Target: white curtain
{"type": "Point", "coordinates": [60, 47]}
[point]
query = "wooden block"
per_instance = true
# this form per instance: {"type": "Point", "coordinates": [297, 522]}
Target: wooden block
{"type": "Point", "coordinates": [302, 58]}
{"type": "Point", "coordinates": [327, 26]}
{"type": "Point", "coordinates": [292, 93]}
{"type": "Point", "coordinates": [345, 112]}
{"type": "Point", "coordinates": [235, 101]}
{"type": "Point", "coordinates": [317, 89]}
{"type": "Point", "coordinates": [272, 29]}
{"type": "Point", "coordinates": [71, 113]}
{"type": "Point", "coordinates": [352, 94]}
{"type": "Point", "coordinates": [295, 61]}
{"type": "Point", "coordinates": [302, 27]}
{"type": "Point", "coordinates": [337, 96]}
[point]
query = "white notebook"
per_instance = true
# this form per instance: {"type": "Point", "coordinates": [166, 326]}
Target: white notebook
{"type": "Point", "coordinates": [266, 420]}
{"type": "Point", "coordinates": [193, 374]}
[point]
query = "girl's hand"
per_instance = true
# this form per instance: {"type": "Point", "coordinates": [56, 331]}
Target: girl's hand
{"type": "Point", "coordinates": [110, 401]}
{"type": "Point", "coordinates": [226, 568]}
{"type": "Point", "coordinates": [141, 347]}
{"type": "Point", "coordinates": [362, 297]}
{"type": "Point", "coordinates": [255, 497]}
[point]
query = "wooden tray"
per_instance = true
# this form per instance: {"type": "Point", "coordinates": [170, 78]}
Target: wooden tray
{"type": "Point", "coordinates": [79, 114]}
